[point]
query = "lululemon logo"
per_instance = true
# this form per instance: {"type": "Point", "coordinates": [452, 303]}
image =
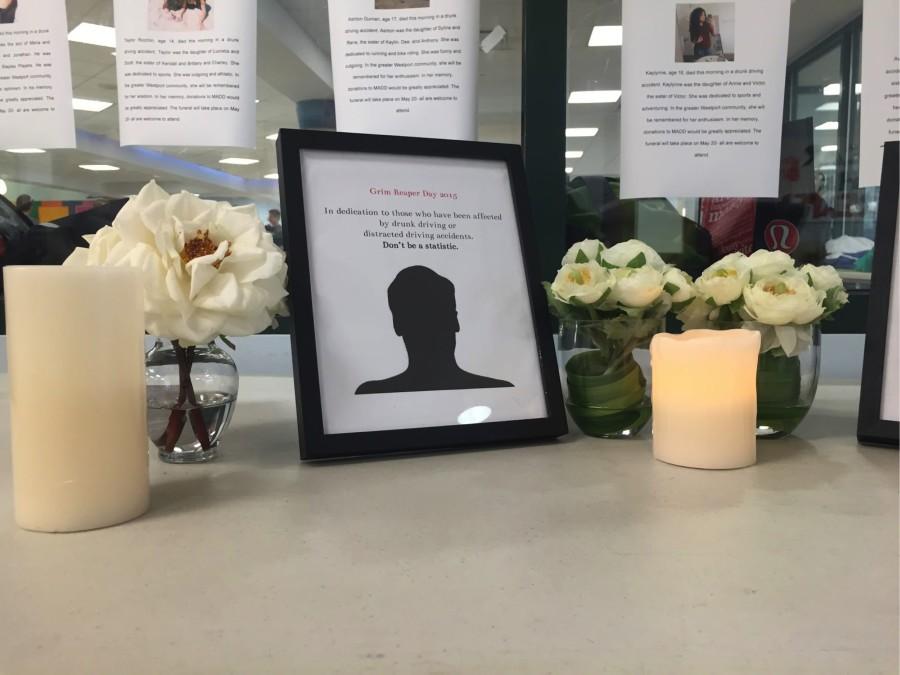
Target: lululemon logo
{"type": "Point", "coordinates": [782, 235]}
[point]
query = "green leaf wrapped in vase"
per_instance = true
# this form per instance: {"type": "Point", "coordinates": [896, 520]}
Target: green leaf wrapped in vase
{"type": "Point", "coordinates": [606, 402]}
{"type": "Point", "coordinates": [610, 302]}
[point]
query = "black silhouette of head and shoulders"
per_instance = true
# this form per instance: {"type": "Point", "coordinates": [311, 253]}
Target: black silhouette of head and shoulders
{"type": "Point", "coordinates": [423, 304]}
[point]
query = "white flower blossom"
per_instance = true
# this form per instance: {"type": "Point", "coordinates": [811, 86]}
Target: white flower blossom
{"type": "Point", "coordinates": [208, 268]}
{"type": "Point", "coordinates": [723, 282]}
{"type": "Point", "coordinates": [590, 247]}
{"type": "Point", "coordinates": [677, 279]}
{"type": "Point", "coordinates": [764, 264]}
{"type": "Point", "coordinates": [623, 254]}
{"type": "Point", "coordinates": [637, 288]}
{"type": "Point", "coordinates": [822, 278]}
{"type": "Point", "coordinates": [587, 283]}
{"type": "Point", "coordinates": [783, 299]}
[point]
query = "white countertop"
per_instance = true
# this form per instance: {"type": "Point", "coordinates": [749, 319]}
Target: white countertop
{"type": "Point", "coordinates": [582, 556]}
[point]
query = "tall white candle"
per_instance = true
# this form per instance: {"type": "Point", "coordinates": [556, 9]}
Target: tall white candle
{"type": "Point", "coordinates": [78, 398]}
{"type": "Point", "coordinates": [704, 398]}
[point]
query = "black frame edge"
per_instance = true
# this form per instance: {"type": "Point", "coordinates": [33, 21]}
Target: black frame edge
{"type": "Point", "coordinates": [871, 429]}
{"type": "Point", "coordinates": [314, 443]}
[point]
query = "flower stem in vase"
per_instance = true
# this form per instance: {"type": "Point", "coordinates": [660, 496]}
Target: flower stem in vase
{"type": "Point", "coordinates": [186, 393]}
{"type": "Point", "coordinates": [198, 424]}
{"type": "Point", "coordinates": [178, 416]}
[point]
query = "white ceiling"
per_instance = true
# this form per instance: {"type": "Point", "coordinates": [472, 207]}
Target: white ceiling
{"type": "Point", "coordinates": [293, 65]}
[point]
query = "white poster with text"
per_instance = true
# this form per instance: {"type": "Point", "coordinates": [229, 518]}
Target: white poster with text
{"type": "Point", "coordinates": [702, 97]}
{"type": "Point", "coordinates": [880, 94]}
{"type": "Point", "coordinates": [422, 314]}
{"type": "Point", "coordinates": [186, 72]}
{"type": "Point", "coordinates": [35, 76]}
{"type": "Point", "coordinates": [406, 67]}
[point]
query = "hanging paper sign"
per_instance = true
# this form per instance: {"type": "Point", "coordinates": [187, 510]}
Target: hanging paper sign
{"type": "Point", "coordinates": [405, 67]}
{"type": "Point", "coordinates": [186, 72]}
{"type": "Point", "coordinates": [880, 94]}
{"type": "Point", "coordinates": [702, 102]}
{"type": "Point", "coordinates": [35, 76]}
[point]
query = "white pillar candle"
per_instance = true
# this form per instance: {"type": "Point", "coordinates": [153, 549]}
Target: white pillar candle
{"type": "Point", "coordinates": [77, 394]}
{"type": "Point", "coordinates": [704, 398]}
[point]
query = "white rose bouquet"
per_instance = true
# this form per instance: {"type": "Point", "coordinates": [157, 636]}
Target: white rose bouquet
{"type": "Point", "coordinates": [766, 292]}
{"type": "Point", "coordinates": [609, 302]}
{"type": "Point", "coordinates": [209, 270]}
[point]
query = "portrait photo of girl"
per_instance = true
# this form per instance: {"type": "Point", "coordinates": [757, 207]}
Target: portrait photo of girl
{"type": "Point", "coordinates": [180, 15]}
{"type": "Point", "coordinates": [704, 32]}
{"type": "Point", "coordinates": [8, 10]}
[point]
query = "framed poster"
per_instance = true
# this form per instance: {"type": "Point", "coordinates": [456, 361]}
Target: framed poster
{"type": "Point", "coordinates": [419, 320]}
{"type": "Point", "coordinates": [879, 404]}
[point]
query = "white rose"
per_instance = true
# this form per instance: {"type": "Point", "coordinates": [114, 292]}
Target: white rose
{"type": "Point", "coordinates": [765, 264]}
{"type": "Point", "coordinates": [637, 288]}
{"type": "Point", "coordinates": [822, 278]}
{"type": "Point", "coordinates": [781, 300]}
{"type": "Point", "coordinates": [678, 284]}
{"type": "Point", "coordinates": [723, 282]}
{"type": "Point", "coordinates": [590, 247]}
{"type": "Point", "coordinates": [208, 268]}
{"type": "Point", "coordinates": [622, 254]}
{"type": "Point", "coordinates": [587, 282]}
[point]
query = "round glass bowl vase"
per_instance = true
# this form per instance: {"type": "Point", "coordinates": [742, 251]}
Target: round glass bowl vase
{"type": "Point", "coordinates": [786, 386]}
{"type": "Point", "coordinates": [191, 394]}
{"type": "Point", "coordinates": [604, 368]}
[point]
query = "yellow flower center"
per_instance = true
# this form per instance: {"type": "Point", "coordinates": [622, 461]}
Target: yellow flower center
{"type": "Point", "coordinates": [726, 273]}
{"type": "Point", "coordinates": [779, 288]}
{"type": "Point", "coordinates": [199, 246]}
{"type": "Point", "coordinates": [580, 276]}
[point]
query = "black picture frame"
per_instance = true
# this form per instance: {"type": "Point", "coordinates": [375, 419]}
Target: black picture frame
{"type": "Point", "coordinates": [315, 444]}
{"type": "Point", "coordinates": [872, 429]}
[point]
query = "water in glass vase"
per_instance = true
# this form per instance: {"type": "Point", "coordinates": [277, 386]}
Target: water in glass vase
{"type": "Point", "coordinates": [191, 394]}
{"type": "Point", "coordinates": [785, 387]}
{"type": "Point", "coordinates": [776, 421]}
{"type": "Point", "coordinates": [214, 408]}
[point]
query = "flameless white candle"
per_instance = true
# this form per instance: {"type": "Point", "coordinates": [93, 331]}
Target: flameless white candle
{"type": "Point", "coordinates": [704, 398]}
{"type": "Point", "coordinates": [78, 398]}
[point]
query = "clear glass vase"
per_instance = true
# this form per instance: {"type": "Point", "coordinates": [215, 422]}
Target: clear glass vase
{"type": "Point", "coordinates": [604, 367]}
{"type": "Point", "coordinates": [191, 393]}
{"type": "Point", "coordinates": [786, 387]}
{"type": "Point", "coordinates": [786, 381]}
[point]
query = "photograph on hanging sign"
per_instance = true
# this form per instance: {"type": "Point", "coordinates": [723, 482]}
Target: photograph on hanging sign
{"type": "Point", "coordinates": [406, 67]}
{"type": "Point", "coordinates": [418, 315]}
{"type": "Point", "coordinates": [186, 72]}
{"type": "Point", "coordinates": [180, 15]}
{"type": "Point", "coordinates": [879, 95]}
{"type": "Point", "coordinates": [704, 33]}
{"type": "Point", "coordinates": [704, 121]}
{"type": "Point", "coordinates": [35, 75]}
{"type": "Point", "coordinates": [402, 4]}
{"type": "Point", "coordinates": [879, 404]}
